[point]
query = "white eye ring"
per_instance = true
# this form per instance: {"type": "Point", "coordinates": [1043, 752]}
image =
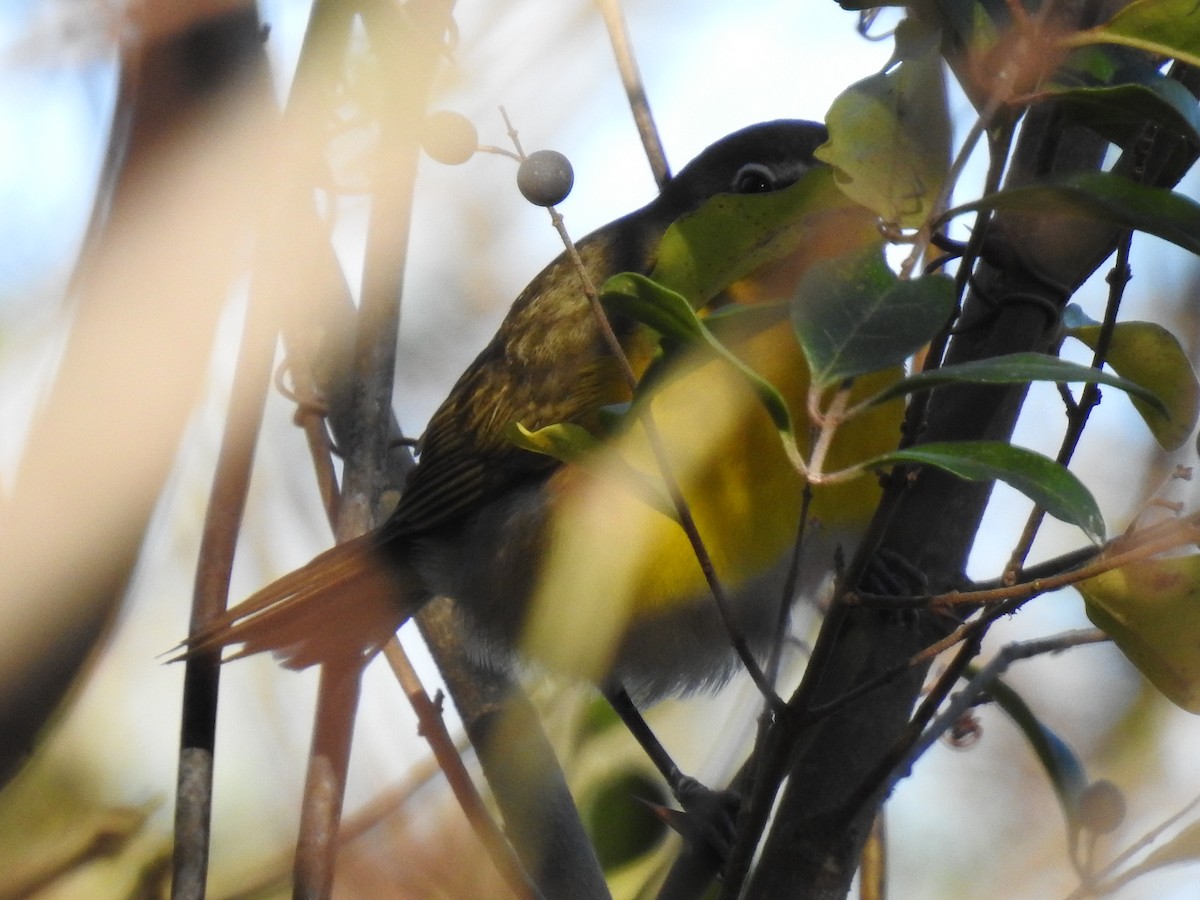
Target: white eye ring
{"type": "Point", "coordinates": [753, 178]}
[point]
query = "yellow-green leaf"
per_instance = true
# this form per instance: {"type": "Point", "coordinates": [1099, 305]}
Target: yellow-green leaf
{"type": "Point", "coordinates": [1164, 27]}
{"type": "Point", "coordinates": [563, 441]}
{"type": "Point", "coordinates": [1151, 610]}
{"type": "Point", "coordinates": [889, 140]}
{"type": "Point", "coordinates": [1150, 356]}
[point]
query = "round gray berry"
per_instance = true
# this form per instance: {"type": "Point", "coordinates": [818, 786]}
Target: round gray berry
{"type": "Point", "coordinates": [545, 177]}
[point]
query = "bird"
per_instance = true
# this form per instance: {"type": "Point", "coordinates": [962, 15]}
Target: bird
{"type": "Point", "coordinates": [576, 565]}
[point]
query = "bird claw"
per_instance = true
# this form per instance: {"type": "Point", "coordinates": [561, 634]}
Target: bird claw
{"type": "Point", "coordinates": [708, 818]}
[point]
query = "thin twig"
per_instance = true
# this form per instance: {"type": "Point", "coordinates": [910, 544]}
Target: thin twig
{"type": "Point", "coordinates": [218, 543]}
{"type": "Point", "coordinates": [310, 417]}
{"type": "Point", "coordinates": [942, 201]}
{"type": "Point", "coordinates": [325, 781]}
{"type": "Point", "coordinates": [973, 631]}
{"type": "Point", "coordinates": [222, 525]}
{"type": "Point", "coordinates": [898, 765]}
{"type": "Point", "coordinates": [324, 788]}
{"type": "Point", "coordinates": [1089, 398]}
{"type": "Point", "coordinates": [635, 89]}
{"type": "Point", "coordinates": [791, 583]}
{"type": "Point", "coordinates": [433, 728]}
{"type": "Point", "coordinates": [417, 41]}
{"type": "Point", "coordinates": [1122, 551]}
{"type": "Point", "coordinates": [274, 872]}
{"type": "Point", "coordinates": [1180, 534]}
{"type": "Point", "coordinates": [828, 421]}
{"type": "Point", "coordinates": [913, 743]}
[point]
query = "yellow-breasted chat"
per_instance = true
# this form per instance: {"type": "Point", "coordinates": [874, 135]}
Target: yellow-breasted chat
{"type": "Point", "coordinates": [579, 564]}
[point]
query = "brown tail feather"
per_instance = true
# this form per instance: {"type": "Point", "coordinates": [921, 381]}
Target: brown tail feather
{"type": "Point", "coordinates": [346, 603]}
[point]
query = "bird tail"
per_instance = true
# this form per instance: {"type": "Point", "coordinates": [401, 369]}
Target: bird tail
{"type": "Point", "coordinates": [343, 605]}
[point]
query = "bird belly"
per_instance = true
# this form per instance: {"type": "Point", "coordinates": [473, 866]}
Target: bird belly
{"type": "Point", "coordinates": [589, 571]}
{"type": "Point", "coordinates": [622, 581]}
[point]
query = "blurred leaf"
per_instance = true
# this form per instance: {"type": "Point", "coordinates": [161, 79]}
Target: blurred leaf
{"type": "Point", "coordinates": [1107, 198]}
{"type": "Point", "coordinates": [1048, 484]}
{"type": "Point", "coordinates": [731, 235]}
{"type": "Point", "coordinates": [570, 443]}
{"type": "Point", "coordinates": [1151, 610]}
{"type": "Point", "coordinates": [852, 315]}
{"type": "Point", "coordinates": [1019, 368]}
{"type": "Point", "coordinates": [889, 139]}
{"type": "Point", "coordinates": [1150, 356]}
{"type": "Point", "coordinates": [598, 717]}
{"type": "Point", "coordinates": [1063, 766]}
{"type": "Point", "coordinates": [1096, 65]}
{"type": "Point", "coordinates": [90, 835]}
{"type": "Point", "coordinates": [1168, 28]}
{"type": "Point", "coordinates": [622, 827]}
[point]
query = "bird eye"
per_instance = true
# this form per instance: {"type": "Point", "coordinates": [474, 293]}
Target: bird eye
{"type": "Point", "coordinates": [753, 178]}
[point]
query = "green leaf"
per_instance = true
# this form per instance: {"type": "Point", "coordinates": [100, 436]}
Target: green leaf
{"type": "Point", "coordinates": [1118, 111]}
{"type": "Point", "coordinates": [1148, 355]}
{"type": "Point", "coordinates": [889, 140]}
{"type": "Point", "coordinates": [645, 300]}
{"type": "Point", "coordinates": [1063, 766]}
{"type": "Point", "coordinates": [1047, 483]}
{"type": "Point", "coordinates": [1020, 368]}
{"type": "Point", "coordinates": [670, 315]}
{"type": "Point", "coordinates": [852, 315]}
{"type": "Point", "coordinates": [1151, 610]}
{"type": "Point", "coordinates": [1164, 27]}
{"type": "Point", "coordinates": [1105, 197]}
{"type": "Point", "coordinates": [732, 235]}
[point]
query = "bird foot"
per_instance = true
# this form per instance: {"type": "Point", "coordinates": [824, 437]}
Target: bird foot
{"type": "Point", "coordinates": [708, 818]}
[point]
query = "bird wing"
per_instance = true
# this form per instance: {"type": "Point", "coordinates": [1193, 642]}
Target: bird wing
{"type": "Point", "coordinates": [467, 456]}
{"type": "Point", "coordinates": [547, 364]}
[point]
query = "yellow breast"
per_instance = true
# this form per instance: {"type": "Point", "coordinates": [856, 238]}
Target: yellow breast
{"type": "Point", "coordinates": [617, 552]}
